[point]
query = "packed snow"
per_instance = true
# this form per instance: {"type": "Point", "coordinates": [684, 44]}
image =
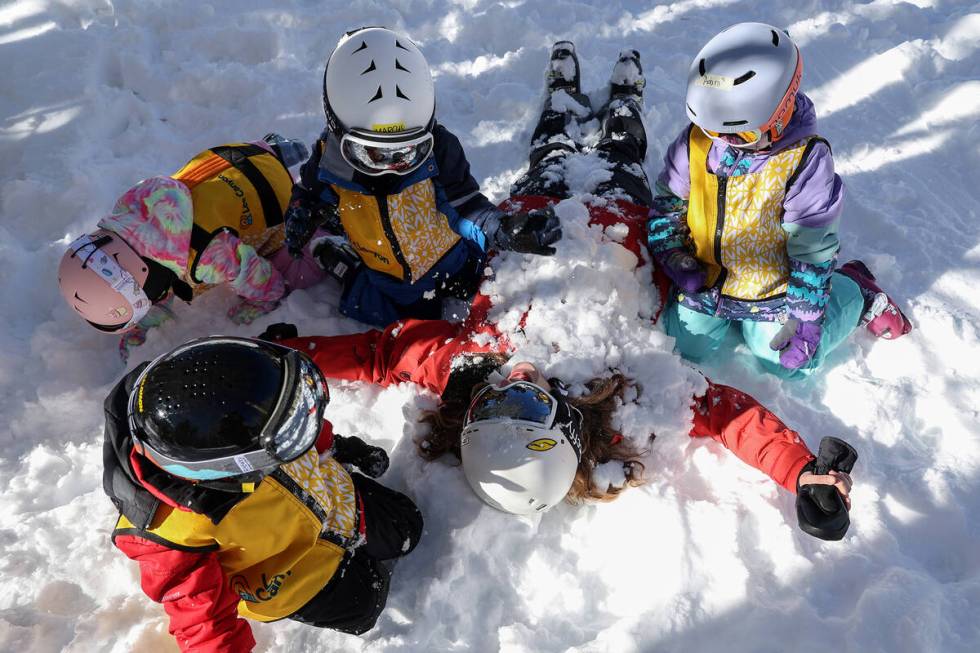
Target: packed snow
{"type": "Point", "coordinates": [97, 94]}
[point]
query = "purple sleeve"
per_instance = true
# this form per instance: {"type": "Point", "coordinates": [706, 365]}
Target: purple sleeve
{"type": "Point", "coordinates": [676, 174]}
{"type": "Point", "coordinates": [813, 205]}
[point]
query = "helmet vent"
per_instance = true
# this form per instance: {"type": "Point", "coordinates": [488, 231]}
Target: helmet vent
{"type": "Point", "coordinates": [693, 113]}
{"type": "Point", "coordinates": [399, 45]}
{"type": "Point", "coordinates": [744, 78]}
{"type": "Point", "coordinates": [370, 68]}
{"type": "Point", "coordinates": [377, 96]}
{"type": "Point", "coordinates": [541, 507]}
{"type": "Point", "coordinates": [398, 93]}
{"type": "Point", "coordinates": [775, 38]}
{"type": "Point", "coordinates": [363, 47]}
{"type": "Point", "coordinates": [701, 67]}
{"type": "Point", "coordinates": [734, 123]}
{"type": "Point", "coordinates": [399, 66]}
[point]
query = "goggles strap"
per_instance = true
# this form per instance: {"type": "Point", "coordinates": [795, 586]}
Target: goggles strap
{"type": "Point", "coordinates": [106, 267]}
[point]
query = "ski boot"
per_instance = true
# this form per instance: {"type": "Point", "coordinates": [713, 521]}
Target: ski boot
{"type": "Point", "coordinates": [627, 79]}
{"type": "Point", "coordinates": [563, 71]}
{"type": "Point", "coordinates": [881, 315]}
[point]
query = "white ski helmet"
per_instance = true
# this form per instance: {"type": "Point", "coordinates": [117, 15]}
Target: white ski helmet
{"type": "Point", "coordinates": [379, 101]}
{"type": "Point", "coordinates": [520, 447]}
{"type": "Point", "coordinates": [744, 81]}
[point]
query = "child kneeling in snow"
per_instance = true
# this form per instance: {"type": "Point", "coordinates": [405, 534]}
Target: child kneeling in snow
{"type": "Point", "coordinates": [410, 225]}
{"type": "Point", "coordinates": [236, 499]}
{"type": "Point", "coordinates": [219, 219]}
{"type": "Point", "coordinates": [746, 215]}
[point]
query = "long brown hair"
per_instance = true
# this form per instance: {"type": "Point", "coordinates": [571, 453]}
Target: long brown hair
{"type": "Point", "coordinates": [600, 441]}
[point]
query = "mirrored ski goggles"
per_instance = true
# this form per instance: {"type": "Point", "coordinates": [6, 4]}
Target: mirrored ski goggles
{"type": "Point", "coordinates": [521, 400]}
{"type": "Point", "coordinates": [293, 428]}
{"type": "Point", "coordinates": [89, 250]}
{"type": "Point", "coordinates": [375, 153]}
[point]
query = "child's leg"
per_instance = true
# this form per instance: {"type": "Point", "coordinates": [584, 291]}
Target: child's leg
{"type": "Point", "coordinates": [624, 144]}
{"type": "Point", "coordinates": [352, 600]}
{"type": "Point", "coordinates": [844, 309]}
{"type": "Point", "coordinates": [696, 335]}
{"type": "Point", "coordinates": [558, 132]}
{"type": "Point", "coordinates": [393, 523]}
{"type": "Point", "coordinates": [624, 138]}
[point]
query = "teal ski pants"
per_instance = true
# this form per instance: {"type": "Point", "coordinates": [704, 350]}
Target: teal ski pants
{"type": "Point", "coordinates": [698, 335]}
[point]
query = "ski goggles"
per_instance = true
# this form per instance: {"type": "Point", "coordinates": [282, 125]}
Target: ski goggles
{"type": "Point", "coordinates": [293, 427]}
{"type": "Point", "coordinates": [374, 153]}
{"type": "Point", "coordinates": [773, 128]}
{"type": "Point", "coordinates": [528, 402]}
{"type": "Point", "coordinates": [89, 249]}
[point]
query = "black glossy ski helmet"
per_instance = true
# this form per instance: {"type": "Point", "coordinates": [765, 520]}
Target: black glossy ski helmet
{"type": "Point", "coordinates": [227, 408]}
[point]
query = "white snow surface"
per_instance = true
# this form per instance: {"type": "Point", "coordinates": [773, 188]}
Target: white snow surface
{"type": "Point", "coordinates": [97, 94]}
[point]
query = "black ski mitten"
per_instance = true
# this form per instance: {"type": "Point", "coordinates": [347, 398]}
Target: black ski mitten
{"type": "Point", "coordinates": [820, 508]}
{"type": "Point", "coordinates": [303, 218]}
{"type": "Point", "coordinates": [279, 331]}
{"type": "Point", "coordinates": [337, 258]}
{"type": "Point", "coordinates": [529, 233]}
{"type": "Point", "coordinates": [351, 450]}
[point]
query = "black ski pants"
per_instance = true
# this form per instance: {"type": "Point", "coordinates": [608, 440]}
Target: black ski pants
{"type": "Point", "coordinates": [623, 144]}
{"type": "Point", "coordinates": [353, 599]}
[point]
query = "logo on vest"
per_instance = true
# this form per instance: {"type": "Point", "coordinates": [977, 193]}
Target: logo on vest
{"type": "Point", "coordinates": [265, 592]}
{"type": "Point", "coordinates": [246, 218]}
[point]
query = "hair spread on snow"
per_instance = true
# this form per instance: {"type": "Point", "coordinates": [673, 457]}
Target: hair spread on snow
{"type": "Point", "coordinates": [600, 441]}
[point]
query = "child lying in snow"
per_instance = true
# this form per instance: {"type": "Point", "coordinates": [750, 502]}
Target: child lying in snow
{"type": "Point", "coordinates": [216, 220]}
{"type": "Point", "coordinates": [746, 215]}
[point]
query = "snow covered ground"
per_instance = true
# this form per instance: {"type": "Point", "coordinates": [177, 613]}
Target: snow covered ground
{"type": "Point", "coordinates": [97, 94]}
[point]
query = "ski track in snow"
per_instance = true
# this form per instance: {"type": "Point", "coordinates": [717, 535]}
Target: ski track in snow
{"type": "Point", "coordinates": [96, 95]}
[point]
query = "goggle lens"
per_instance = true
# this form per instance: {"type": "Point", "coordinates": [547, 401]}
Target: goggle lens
{"type": "Point", "coordinates": [375, 159]}
{"type": "Point", "coordinates": [519, 401]}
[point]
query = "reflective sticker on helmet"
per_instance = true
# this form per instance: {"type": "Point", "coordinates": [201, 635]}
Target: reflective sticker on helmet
{"type": "Point", "coordinates": [119, 311]}
{"type": "Point", "coordinates": [541, 444]}
{"type": "Point", "coordinates": [139, 396]}
{"type": "Point", "coordinates": [244, 464]}
{"type": "Point", "coordinates": [716, 81]}
{"type": "Point", "coordinates": [388, 128]}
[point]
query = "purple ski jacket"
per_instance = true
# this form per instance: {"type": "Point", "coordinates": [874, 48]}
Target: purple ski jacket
{"type": "Point", "coordinates": [812, 205]}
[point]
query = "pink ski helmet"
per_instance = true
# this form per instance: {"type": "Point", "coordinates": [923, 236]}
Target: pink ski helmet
{"type": "Point", "coordinates": [102, 278]}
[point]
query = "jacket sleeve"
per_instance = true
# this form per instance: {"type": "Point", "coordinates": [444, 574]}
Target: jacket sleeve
{"type": "Point", "coordinates": [418, 351]}
{"type": "Point", "coordinates": [813, 204]}
{"type": "Point", "coordinates": [228, 260]}
{"type": "Point", "coordinates": [476, 217]}
{"type": "Point", "coordinates": [752, 432]}
{"type": "Point", "coordinates": [193, 589]}
{"type": "Point", "coordinates": [667, 229]}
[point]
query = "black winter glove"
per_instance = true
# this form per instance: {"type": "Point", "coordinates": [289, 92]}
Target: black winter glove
{"type": "Point", "coordinates": [529, 233]}
{"type": "Point", "coordinates": [351, 450]}
{"type": "Point", "coordinates": [337, 258]}
{"type": "Point", "coordinates": [303, 218]}
{"type": "Point", "coordinates": [279, 331]}
{"type": "Point", "coordinates": [820, 508]}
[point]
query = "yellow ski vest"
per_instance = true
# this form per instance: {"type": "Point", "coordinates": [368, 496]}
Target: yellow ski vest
{"type": "Point", "coordinates": [736, 222]}
{"type": "Point", "coordinates": [279, 546]}
{"type": "Point", "coordinates": [402, 235]}
{"type": "Point", "coordinates": [242, 188]}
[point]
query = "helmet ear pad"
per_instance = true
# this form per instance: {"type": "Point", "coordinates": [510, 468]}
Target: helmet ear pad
{"type": "Point", "coordinates": [88, 294]}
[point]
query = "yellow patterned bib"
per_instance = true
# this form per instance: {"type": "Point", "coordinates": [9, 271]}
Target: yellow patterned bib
{"type": "Point", "coordinates": [736, 222]}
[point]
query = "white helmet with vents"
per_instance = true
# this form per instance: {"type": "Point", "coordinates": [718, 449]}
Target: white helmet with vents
{"type": "Point", "coordinates": [379, 101]}
{"type": "Point", "coordinates": [744, 81]}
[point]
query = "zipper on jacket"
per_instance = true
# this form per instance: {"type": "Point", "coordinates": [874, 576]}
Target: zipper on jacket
{"type": "Point", "coordinates": [719, 228]}
{"type": "Point", "coordinates": [390, 234]}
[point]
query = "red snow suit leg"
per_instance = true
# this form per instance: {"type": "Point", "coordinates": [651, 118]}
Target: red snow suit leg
{"type": "Point", "coordinates": [752, 432]}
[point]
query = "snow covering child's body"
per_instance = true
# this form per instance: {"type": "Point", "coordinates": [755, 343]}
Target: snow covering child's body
{"type": "Point", "coordinates": [410, 224]}
{"type": "Point", "coordinates": [571, 452]}
{"type": "Point", "coordinates": [745, 221]}
{"type": "Point", "coordinates": [237, 501]}
{"type": "Point", "coordinates": [216, 220]}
